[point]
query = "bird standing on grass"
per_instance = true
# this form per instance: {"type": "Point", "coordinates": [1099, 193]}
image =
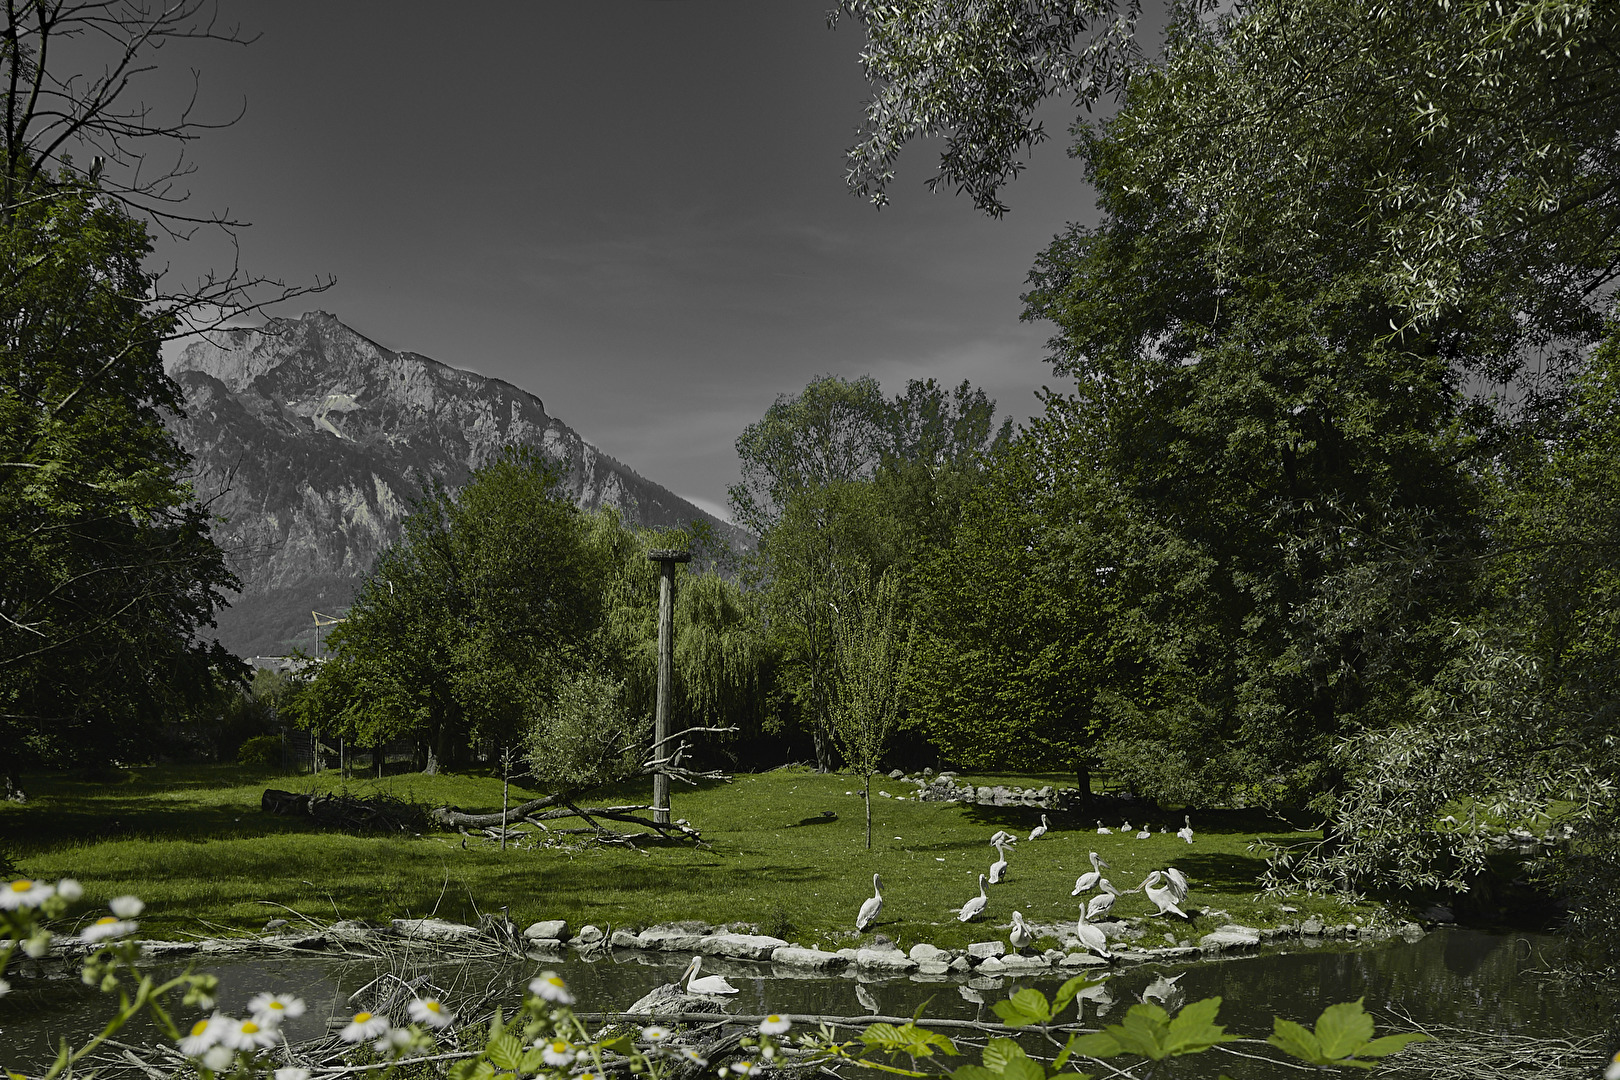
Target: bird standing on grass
{"type": "Point", "coordinates": [1092, 937]}
{"type": "Point", "coordinates": [1103, 830]}
{"type": "Point", "coordinates": [873, 905]}
{"type": "Point", "coordinates": [1185, 832]}
{"type": "Point", "coordinates": [1103, 902]}
{"type": "Point", "coordinates": [1040, 830]}
{"type": "Point", "coordinates": [1021, 934]}
{"type": "Point", "coordinates": [974, 907]}
{"type": "Point", "coordinates": [1178, 882]}
{"type": "Point", "coordinates": [1088, 881]}
{"type": "Point", "coordinates": [709, 984]}
{"type": "Point", "coordinates": [1165, 896]}
{"type": "Point", "coordinates": [998, 869]}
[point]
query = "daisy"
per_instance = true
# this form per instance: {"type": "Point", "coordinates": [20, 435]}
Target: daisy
{"type": "Point", "coordinates": [394, 1041]}
{"type": "Point", "coordinates": [431, 1011]}
{"type": "Point", "coordinates": [694, 1057]}
{"type": "Point", "coordinates": [744, 1068]}
{"type": "Point", "coordinates": [557, 1053]}
{"type": "Point", "coordinates": [655, 1033]}
{"type": "Point", "coordinates": [292, 1072]}
{"type": "Point", "coordinates": [23, 894]}
{"type": "Point", "coordinates": [364, 1026]}
{"type": "Point", "coordinates": [108, 927]}
{"type": "Point", "coordinates": [204, 1034]}
{"type": "Point", "coordinates": [126, 907]}
{"type": "Point", "coordinates": [248, 1035]}
{"type": "Point", "coordinates": [38, 944]}
{"type": "Point", "coordinates": [774, 1025]}
{"type": "Point", "coordinates": [550, 987]}
{"type": "Point", "coordinates": [272, 1009]}
{"type": "Point", "coordinates": [219, 1058]}
{"type": "Point", "coordinates": [69, 889]}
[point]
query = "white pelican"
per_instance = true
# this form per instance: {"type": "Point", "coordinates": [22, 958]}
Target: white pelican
{"type": "Point", "coordinates": [1100, 904]}
{"type": "Point", "coordinates": [1164, 897]}
{"type": "Point", "coordinates": [1145, 834]}
{"type": "Point", "coordinates": [1021, 934]}
{"type": "Point", "coordinates": [1185, 832]}
{"type": "Point", "coordinates": [974, 907]}
{"type": "Point", "coordinates": [709, 984]}
{"type": "Point", "coordinates": [1040, 830]}
{"type": "Point", "coordinates": [1126, 827]}
{"type": "Point", "coordinates": [1002, 836]}
{"type": "Point", "coordinates": [998, 869]}
{"type": "Point", "coordinates": [1103, 830]}
{"type": "Point", "coordinates": [1163, 990]}
{"type": "Point", "coordinates": [1088, 881]}
{"type": "Point", "coordinates": [873, 905]}
{"type": "Point", "coordinates": [1092, 937]}
{"type": "Point", "coordinates": [1177, 882]}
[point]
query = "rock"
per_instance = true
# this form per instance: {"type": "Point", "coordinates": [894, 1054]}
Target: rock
{"type": "Point", "coordinates": [924, 951]}
{"type": "Point", "coordinates": [549, 947]}
{"type": "Point", "coordinates": [885, 960]}
{"type": "Point", "coordinates": [983, 950]}
{"type": "Point", "coordinates": [624, 939]}
{"type": "Point", "coordinates": [985, 795]}
{"type": "Point", "coordinates": [1413, 932]}
{"type": "Point", "coordinates": [1311, 927]}
{"type": "Point", "coordinates": [1022, 963]}
{"type": "Point", "coordinates": [548, 928]}
{"type": "Point", "coordinates": [1082, 959]}
{"type": "Point", "coordinates": [897, 774]}
{"type": "Point", "coordinates": [1438, 913]}
{"type": "Point", "coordinates": [1230, 938]}
{"type": "Point", "coordinates": [810, 959]}
{"type": "Point", "coordinates": [990, 965]}
{"type": "Point", "coordinates": [588, 935]}
{"type": "Point", "coordinates": [960, 964]}
{"type": "Point", "coordinates": [1052, 956]}
{"type": "Point", "coordinates": [740, 946]}
{"type": "Point", "coordinates": [932, 967]}
{"type": "Point", "coordinates": [672, 998]}
{"type": "Point", "coordinates": [434, 929]}
{"type": "Point", "coordinates": [665, 939]}
{"type": "Point", "coordinates": [273, 924]}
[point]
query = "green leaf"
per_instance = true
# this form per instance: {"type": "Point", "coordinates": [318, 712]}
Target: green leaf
{"type": "Point", "coordinates": [973, 1072]}
{"type": "Point", "coordinates": [477, 1069]}
{"type": "Point", "coordinates": [622, 1045]}
{"type": "Point", "coordinates": [1342, 1028]}
{"type": "Point", "coordinates": [1024, 1009]}
{"type": "Point", "coordinates": [1297, 1040]}
{"type": "Point", "coordinates": [1145, 1031]}
{"type": "Point", "coordinates": [1024, 1069]}
{"type": "Point", "coordinates": [1194, 1029]}
{"type": "Point", "coordinates": [1069, 990]}
{"type": "Point", "coordinates": [505, 1052]}
{"type": "Point", "coordinates": [1391, 1044]}
{"type": "Point", "coordinates": [1096, 1044]}
{"type": "Point", "coordinates": [998, 1052]}
{"type": "Point", "coordinates": [534, 1060]}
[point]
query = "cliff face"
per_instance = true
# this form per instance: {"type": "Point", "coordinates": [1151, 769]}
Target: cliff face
{"type": "Point", "coordinates": [311, 440]}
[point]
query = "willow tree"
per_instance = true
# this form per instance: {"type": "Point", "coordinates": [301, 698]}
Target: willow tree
{"type": "Point", "coordinates": [871, 651]}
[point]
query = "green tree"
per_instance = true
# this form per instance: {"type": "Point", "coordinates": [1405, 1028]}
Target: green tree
{"type": "Point", "coordinates": [871, 651]}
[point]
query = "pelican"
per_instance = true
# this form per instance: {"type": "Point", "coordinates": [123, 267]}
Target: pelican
{"type": "Point", "coordinates": [1103, 830]}
{"type": "Point", "coordinates": [1185, 832]}
{"type": "Point", "coordinates": [1163, 990]}
{"type": "Point", "coordinates": [1002, 836]}
{"type": "Point", "coordinates": [873, 905]}
{"type": "Point", "coordinates": [974, 907]}
{"type": "Point", "coordinates": [1126, 827]}
{"type": "Point", "coordinates": [1145, 834]}
{"type": "Point", "coordinates": [709, 984]}
{"type": "Point", "coordinates": [970, 994]}
{"type": "Point", "coordinates": [1092, 937]}
{"type": "Point", "coordinates": [1100, 904]}
{"type": "Point", "coordinates": [1022, 933]}
{"type": "Point", "coordinates": [1040, 830]}
{"type": "Point", "coordinates": [1178, 882]}
{"type": "Point", "coordinates": [998, 869]}
{"type": "Point", "coordinates": [1088, 881]}
{"type": "Point", "coordinates": [1164, 897]}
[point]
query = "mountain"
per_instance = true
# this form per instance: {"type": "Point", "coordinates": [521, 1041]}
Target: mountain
{"type": "Point", "coordinates": [310, 440]}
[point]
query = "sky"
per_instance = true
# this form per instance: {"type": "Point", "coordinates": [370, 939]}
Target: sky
{"type": "Point", "coordinates": [633, 209]}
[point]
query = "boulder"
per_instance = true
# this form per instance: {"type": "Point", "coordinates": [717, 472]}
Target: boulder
{"type": "Point", "coordinates": [1230, 938]}
{"type": "Point", "coordinates": [990, 965]}
{"type": "Point", "coordinates": [588, 935]}
{"type": "Point", "coordinates": [924, 951]}
{"type": "Point", "coordinates": [792, 956]}
{"type": "Point", "coordinates": [740, 946]}
{"type": "Point", "coordinates": [547, 928]}
{"type": "Point", "coordinates": [624, 939]}
{"type": "Point", "coordinates": [434, 929]}
{"type": "Point", "coordinates": [1082, 960]}
{"type": "Point", "coordinates": [932, 967]}
{"type": "Point", "coordinates": [888, 960]}
{"type": "Point", "coordinates": [1014, 962]}
{"type": "Point", "coordinates": [1311, 927]}
{"type": "Point", "coordinates": [665, 939]}
{"type": "Point", "coordinates": [983, 950]}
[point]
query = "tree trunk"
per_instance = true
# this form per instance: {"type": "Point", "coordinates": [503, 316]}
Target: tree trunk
{"type": "Point", "coordinates": [1082, 774]}
{"type": "Point", "coordinates": [431, 768]}
{"type": "Point", "coordinates": [868, 796]}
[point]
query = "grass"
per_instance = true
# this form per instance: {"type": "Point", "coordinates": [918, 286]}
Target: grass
{"type": "Point", "coordinates": [194, 844]}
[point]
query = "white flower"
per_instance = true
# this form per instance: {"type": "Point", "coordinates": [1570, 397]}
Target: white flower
{"type": "Point", "coordinates": [1613, 1071]}
{"type": "Point", "coordinates": [557, 1053]}
{"type": "Point", "coordinates": [744, 1068]}
{"type": "Point", "coordinates": [69, 889]}
{"type": "Point", "coordinates": [431, 1011]}
{"type": "Point", "coordinates": [248, 1035]}
{"type": "Point", "coordinates": [364, 1026]}
{"type": "Point", "coordinates": [108, 927]}
{"type": "Point", "coordinates": [37, 944]}
{"type": "Point", "coordinates": [126, 907]}
{"type": "Point", "coordinates": [550, 987]}
{"type": "Point", "coordinates": [291, 1072]}
{"type": "Point", "coordinates": [272, 1009]}
{"type": "Point", "coordinates": [23, 894]}
{"type": "Point", "coordinates": [394, 1041]}
{"type": "Point", "coordinates": [694, 1057]}
{"type": "Point", "coordinates": [774, 1025]}
{"type": "Point", "coordinates": [4, 987]}
{"type": "Point", "coordinates": [219, 1058]}
{"type": "Point", "coordinates": [655, 1033]}
{"type": "Point", "coordinates": [203, 1034]}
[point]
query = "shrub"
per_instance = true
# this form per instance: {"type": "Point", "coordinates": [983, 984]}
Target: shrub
{"type": "Point", "coordinates": [260, 750]}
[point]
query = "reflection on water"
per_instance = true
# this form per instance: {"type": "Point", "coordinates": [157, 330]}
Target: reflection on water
{"type": "Point", "coordinates": [1457, 977]}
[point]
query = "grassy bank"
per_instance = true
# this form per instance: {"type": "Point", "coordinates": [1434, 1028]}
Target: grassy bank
{"type": "Point", "coordinates": [194, 843]}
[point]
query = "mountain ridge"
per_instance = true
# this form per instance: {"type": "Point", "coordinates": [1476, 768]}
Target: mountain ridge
{"type": "Point", "coordinates": [310, 440]}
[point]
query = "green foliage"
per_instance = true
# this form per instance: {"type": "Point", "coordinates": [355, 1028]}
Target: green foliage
{"type": "Point", "coordinates": [1150, 1032]}
{"type": "Point", "coordinates": [587, 736]}
{"type": "Point", "coordinates": [871, 654]}
{"type": "Point", "coordinates": [260, 750]}
{"type": "Point", "coordinates": [1343, 1036]}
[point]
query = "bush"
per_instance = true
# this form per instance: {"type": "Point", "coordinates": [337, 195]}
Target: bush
{"type": "Point", "coordinates": [588, 736]}
{"type": "Point", "coordinates": [260, 750]}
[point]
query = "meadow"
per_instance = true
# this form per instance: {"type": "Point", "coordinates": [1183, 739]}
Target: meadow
{"type": "Point", "coordinates": [193, 842]}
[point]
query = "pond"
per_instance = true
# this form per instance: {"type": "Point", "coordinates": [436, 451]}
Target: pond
{"type": "Point", "coordinates": [1459, 977]}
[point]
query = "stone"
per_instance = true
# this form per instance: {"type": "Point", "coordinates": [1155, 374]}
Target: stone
{"type": "Point", "coordinates": [624, 939]}
{"type": "Point", "coordinates": [809, 959]}
{"type": "Point", "coordinates": [740, 946]}
{"type": "Point", "coordinates": [434, 929]}
{"type": "Point", "coordinates": [1311, 927]}
{"type": "Point", "coordinates": [1438, 913]}
{"type": "Point", "coordinates": [545, 946]}
{"type": "Point", "coordinates": [1082, 959]}
{"type": "Point", "coordinates": [960, 964]}
{"type": "Point", "coordinates": [1230, 938]}
{"type": "Point", "coordinates": [983, 950]}
{"type": "Point", "coordinates": [932, 967]}
{"type": "Point", "coordinates": [1022, 963]}
{"type": "Point", "coordinates": [588, 935]}
{"type": "Point", "coordinates": [897, 774]}
{"type": "Point", "coordinates": [665, 939]}
{"type": "Point", "coordinates": [991, 965]}
{"type": "Point", "coordinates": [1412, 931]}
{"type": "Point", "coordinates": [885, 960]}
{"type": "Point", "coordinates": [924, 951]}
{"type": "Point", "coordinates": [547, 928]}
{"type": "Point", "coordinates": [985, 794]}
{"type": "Point", "coordinates": [1052, 956]}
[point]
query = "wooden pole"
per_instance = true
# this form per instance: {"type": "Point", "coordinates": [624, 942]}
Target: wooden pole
{"type": "Point", "coordinates": [666, 561]}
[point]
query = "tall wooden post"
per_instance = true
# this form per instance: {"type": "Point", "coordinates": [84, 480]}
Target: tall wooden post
{"type": "Point", "coordinates": [666, 561]}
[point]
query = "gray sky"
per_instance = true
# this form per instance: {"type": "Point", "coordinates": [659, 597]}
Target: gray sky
{"type": "Point", "coordinates": [633, 209]}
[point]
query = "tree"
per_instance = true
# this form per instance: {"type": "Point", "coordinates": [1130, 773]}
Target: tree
{"type": "Point", "coordinates": [872, 650]}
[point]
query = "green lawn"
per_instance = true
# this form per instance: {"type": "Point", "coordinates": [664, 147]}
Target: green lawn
{"type": "Point", "coordinates": [193, 843]}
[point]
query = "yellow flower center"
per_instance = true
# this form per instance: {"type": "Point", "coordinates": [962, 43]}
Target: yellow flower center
{"type": "Point", "coordinates": [558, 1047]}
{"type": "Point", "coordinates": [249, 1027]}
{"type": "Point", "coordinates": [21, 885]}
{"type": "Point", "coordinates": [773, 1019]}
{"type": "Point", "coordinates": [432, 1006]}
{"type": "Point", "coordinates": [361, 1018]}
{"type": "Point", "coordinates": [106, 920]}
{"type": "Point", "coordinates": [275, 1005]}
{"type": "Point", "coordinates": [199, 1027]}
